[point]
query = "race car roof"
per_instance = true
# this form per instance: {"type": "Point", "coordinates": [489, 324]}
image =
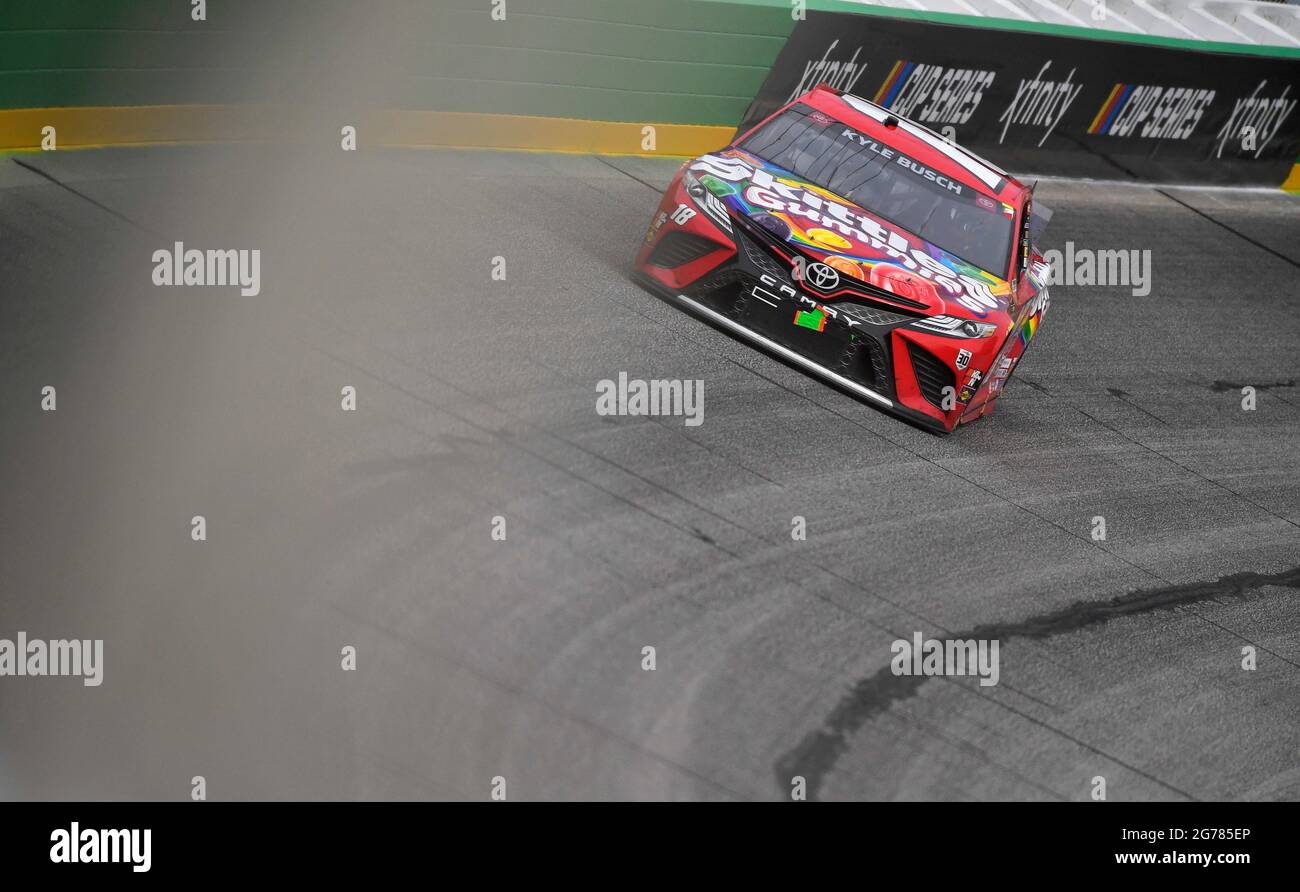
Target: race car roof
{"type": "Point", "coordinates": [917, 140]}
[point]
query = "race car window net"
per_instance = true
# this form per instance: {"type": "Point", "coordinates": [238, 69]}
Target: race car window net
{"type": "Point", "coordinates": [879, 178]}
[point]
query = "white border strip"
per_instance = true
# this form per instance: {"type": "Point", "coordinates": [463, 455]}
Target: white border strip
{"type": "Point", "coordinates": [1028, 178]}
{"type": "Point", "coordinates": [784, 352]}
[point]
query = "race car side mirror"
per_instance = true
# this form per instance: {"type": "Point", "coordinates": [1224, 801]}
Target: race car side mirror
{"type": "Point", "coordinates": [1038, 221]}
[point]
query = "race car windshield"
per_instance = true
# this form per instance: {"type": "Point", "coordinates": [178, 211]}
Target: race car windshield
{"type": "Point", "coordinates": [890, 184]}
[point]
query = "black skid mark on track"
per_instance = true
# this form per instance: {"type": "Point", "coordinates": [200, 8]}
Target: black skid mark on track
{"type": "Point", "coordinates": [1224, 386]}
{"type": "Point", "coordinates": [1123, 397]}
{"type": "Point", "coordinates": [815, 756]}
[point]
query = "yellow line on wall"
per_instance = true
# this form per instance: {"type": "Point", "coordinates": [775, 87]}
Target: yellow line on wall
{"type": "Point", "coordinates": [93, 127]}
{"type": "Point", "coordinates": [473, 129]}
{"type": "Point", "coordinates": [23, 129]}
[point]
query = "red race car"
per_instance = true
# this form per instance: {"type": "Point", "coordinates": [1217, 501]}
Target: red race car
{"type": "Point", "coordinates": [862, 247]}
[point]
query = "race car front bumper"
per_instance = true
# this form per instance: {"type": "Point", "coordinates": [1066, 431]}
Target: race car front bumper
{"type": "Point", "coordinates": [863, 346]}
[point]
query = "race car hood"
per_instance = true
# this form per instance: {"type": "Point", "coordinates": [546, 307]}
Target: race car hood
{"type": "Point", "coordinates": [850, 239]}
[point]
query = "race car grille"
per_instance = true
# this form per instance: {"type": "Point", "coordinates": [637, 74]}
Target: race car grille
{"type": "Point", "coordinates": [871, 315]}
{"type": "Point", "coordinates": [863, 360]}
{"type": "Point", "coordinates": [680, 248]}
{"type": "Point", "coordinates": [932, 375]}
{"type": "Point", "coordinates": [762, 260]}
{"type": "Point", "coordinates": [728, 275]}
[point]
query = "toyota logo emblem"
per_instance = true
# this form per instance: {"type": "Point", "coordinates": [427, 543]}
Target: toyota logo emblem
{"type": "Point", "coordinates": [821, 276]}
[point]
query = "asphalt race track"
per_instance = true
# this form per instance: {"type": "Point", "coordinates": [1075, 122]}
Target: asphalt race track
{"type": "Point", "coordinates": [522, 658]}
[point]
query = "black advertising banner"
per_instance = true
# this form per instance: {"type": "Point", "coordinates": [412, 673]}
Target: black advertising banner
{"type": "Point", "coordinates": [1054, 104]}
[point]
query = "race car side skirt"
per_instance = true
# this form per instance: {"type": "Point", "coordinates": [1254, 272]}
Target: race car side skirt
{"type": "Point", "coordinates": [784, 352]}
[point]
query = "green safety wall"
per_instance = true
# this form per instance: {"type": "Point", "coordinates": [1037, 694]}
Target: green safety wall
{"type": "Point", "coordinates": [680, 61]}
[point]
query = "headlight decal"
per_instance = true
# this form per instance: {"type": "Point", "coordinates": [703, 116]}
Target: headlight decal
{"type": "Point", "coordinates": [956, 328]}
{"type": "Point", "coordinates": [706, 201]}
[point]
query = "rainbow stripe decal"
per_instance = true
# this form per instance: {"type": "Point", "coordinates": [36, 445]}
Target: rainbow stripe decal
{"type": "Point", "coordinates": [1027, 330]}
{"type": "Point", "coordinates": [1111, 108]}
{"type": "Point", "coordinates": [888, 91]}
